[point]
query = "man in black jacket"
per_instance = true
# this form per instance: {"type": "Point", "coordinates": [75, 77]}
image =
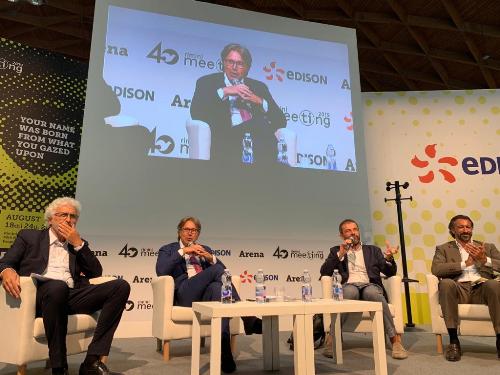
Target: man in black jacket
{"type": "Point", "coordinates": [360, 267]}
{"type": "Point", "coordinates": [65, 263]}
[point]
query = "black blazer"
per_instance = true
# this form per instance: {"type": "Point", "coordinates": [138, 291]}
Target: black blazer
{"type": "Point", "coordinates": [375, 263]}
{"type": "Point", "coordinates": [30, 254]}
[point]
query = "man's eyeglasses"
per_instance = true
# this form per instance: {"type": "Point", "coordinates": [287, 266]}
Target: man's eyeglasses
{"type": "Point", "coordinates": [190, 230]}
{"type": "Point", "coordinates": [65, 215]}
{"type": "Point", "coordinates": [237, 64]}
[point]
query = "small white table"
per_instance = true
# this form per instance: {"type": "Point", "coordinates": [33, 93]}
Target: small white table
{"type": "Point", "coordinates": [270, 313]}
{"type": "Point", "coordinates": [302, 330]}
{"type": "Point", "coordinates": [329, 306]}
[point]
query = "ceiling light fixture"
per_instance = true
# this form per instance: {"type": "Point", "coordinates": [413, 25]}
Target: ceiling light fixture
{"type": "Point", "coordinates": [32, 2]}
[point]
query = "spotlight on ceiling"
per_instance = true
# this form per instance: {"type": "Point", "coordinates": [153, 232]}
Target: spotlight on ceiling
{"type": "Point", "coordinates": [32, 2]}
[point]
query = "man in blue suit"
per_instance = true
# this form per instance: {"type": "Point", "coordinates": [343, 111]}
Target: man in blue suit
{"type": "Point", "coordinates": [360, 266]}
{"type": "Point", "coordinates": [234, 104]}
{"type": "Point", "coordinates": [197, 277]}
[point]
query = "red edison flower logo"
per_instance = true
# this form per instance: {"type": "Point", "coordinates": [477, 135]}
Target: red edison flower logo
{"type": "Point", "coordinates": [274, 71]}
{"type": "Point", "coordinates": [430, 151]}
{"type": "Point", "coordinates": [245, 277]}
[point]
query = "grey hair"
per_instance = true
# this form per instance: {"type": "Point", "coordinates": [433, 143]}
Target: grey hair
{"type": "Point", "coordinates": [52, 207]}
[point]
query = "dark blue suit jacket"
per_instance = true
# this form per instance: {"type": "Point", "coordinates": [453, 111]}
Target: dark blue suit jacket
{"type": "Point", "coordinates": [30, 254]}
{"type": "Point", "coordinates": [375, 263]}
{"type": "Point", "coordinates": [171, 263]}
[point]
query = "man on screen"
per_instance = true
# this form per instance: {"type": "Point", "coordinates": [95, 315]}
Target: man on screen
{"type": "Point", "coordinates": [197, 277]}
{"type": "Point", "coordinates": [360, 266]}
{"type": "Point", "coordinates": [466, 270]}
{"type": "Point", "coordinates": [234, 104]}
{"type": "Point", "coordinates": [66, 263]}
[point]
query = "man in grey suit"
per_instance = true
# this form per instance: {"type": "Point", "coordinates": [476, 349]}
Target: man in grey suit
{"type": "Point", "coordinates": [466, 271]}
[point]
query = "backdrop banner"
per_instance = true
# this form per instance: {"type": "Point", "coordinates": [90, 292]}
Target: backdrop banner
{"type": "Point", "coordinates": [42, 96]}
{"type": "Point", "coordinates": [445, 144]}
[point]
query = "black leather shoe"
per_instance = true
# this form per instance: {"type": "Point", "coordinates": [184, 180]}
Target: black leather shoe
{"type": "Point", "coordinates": [60, 371]}
{"type": "Point", "coordinates": [252, 325]}
{"type": "Point", "coordinates": [96, 368]}
{"type": "Point", "coordinates": [453, 352]}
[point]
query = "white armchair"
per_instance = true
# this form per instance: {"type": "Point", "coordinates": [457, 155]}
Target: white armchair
{"type": "Point", "coordinates": [474, 319]}
{"type": "Point", "coordinates": [362, 322]}
{"type": "Point", "coordinates": [176, 322]}
{"type": "Point", "coordinates": [23, 334]}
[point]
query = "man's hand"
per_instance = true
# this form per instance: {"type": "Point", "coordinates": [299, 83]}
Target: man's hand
{"type": "Point", "coordinates": [390, 251]}
{"type": "Point", "coordinates": [11, 282]}
{"type": "Point", "coordinates": [70, 233]}
{"type": "Point", "coordinates": [244, 92]}
{"type": "Point", "coordinates": [196, 249]}
{"type": "Point", "coordinates": [476, 252]}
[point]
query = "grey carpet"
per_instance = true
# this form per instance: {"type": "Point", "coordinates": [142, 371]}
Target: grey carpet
{"type": "Point", "coordinates": [138, 356]}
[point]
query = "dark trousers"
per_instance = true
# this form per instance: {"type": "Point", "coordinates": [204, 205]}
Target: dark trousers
{"type": "Point", "coordinates": [451, 293]}
{"type": "Point", "coordinates": [204, 286]}
{"type": "Point", "coordinates": [55, 301]}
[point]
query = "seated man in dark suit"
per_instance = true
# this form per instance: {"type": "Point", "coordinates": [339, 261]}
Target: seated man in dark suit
{"type": "Point", "coordinates": [360, 266]}
{"type": "Point", "coordinates": [197, 277]}
{"type": "Point", "coordinates": [234, 104]}
{"type": "Point", "coordinates": [65, 260]}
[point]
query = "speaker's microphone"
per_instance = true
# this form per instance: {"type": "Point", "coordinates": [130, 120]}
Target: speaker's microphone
{"type": "Point", "coordinates": [349, 245]}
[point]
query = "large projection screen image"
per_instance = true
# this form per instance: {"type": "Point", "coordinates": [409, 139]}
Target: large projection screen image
{"type": "Point", "coordinates": [245, 120]}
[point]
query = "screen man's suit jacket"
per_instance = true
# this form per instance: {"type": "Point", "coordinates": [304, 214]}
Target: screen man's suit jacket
{"type": "Point", "coordinates": [207, 106]}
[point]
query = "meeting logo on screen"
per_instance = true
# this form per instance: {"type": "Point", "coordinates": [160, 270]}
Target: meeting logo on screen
{"type": "Point", "coordinates": [273, 72]}
{"type": "Point", "coordinates": [195, 60]}
{"type": "Point", "coordinates": [307, 118]}
{"type": "Point", "coordinates": [163, 55]}
{"type": "Point", "coordinates": [281, 253]}
{"type": "Point", "coordinates": [132, 252]}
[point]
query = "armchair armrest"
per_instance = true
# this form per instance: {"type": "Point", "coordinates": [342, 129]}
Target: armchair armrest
{"type": "Point", "coordinates": [101, 280]}
{"type": "Point", "coordinates": [163, 300]}
{"type": "Point", "coordinates": [17, 319]}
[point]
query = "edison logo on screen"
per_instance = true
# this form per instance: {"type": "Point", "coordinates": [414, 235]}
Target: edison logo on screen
{"type": "Point", "coordinates": [275, 73]}
{"type": "Point", "coordinates": [134, 93]}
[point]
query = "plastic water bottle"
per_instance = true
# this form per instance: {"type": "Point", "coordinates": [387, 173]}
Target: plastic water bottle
{"type": "Point", "coordinates": [307, 290]}
{"type": "Point", "coordinates": [338, 291]}
{"type": "Point", "coordinates": [226, 292]}
{"type": "Point", "coordinates": [260, 287]}
{"type": "Point", "coordinates": [247, 145]}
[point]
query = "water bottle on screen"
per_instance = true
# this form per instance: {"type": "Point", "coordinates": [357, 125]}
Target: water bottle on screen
{"type": "Point", "coordinates": [338, 291]}
{"type": "Point", "coordinates": [307, 290]}
{"type": "Point", "coordinates": [247, 149]}
{"type": "Point", "coordinates": [226, 293]}
{"type": "Point", "coordinates": [260, 287]}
